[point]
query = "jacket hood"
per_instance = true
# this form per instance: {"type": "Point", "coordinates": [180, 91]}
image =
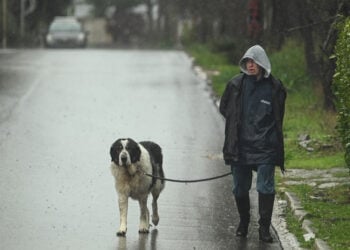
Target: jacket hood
{"type": "Point", "coordinates": [258, 54]}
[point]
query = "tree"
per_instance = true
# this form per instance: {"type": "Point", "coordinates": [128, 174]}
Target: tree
{"type": "Point", "coordinates": [314, 22]}
{"type": "Point", "coordinates": [167, 20]}
{"type": "Point", "coordinates": [121, 5]}
{"type": "Point", "coordinates": [36, 22]}
{"type": "Point", "coordinates": [341, 86]}
{"type": "Point", "coordinates": [317, 21]}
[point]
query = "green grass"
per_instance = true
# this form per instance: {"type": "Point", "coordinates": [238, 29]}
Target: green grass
{"type": "Point", "coordinates": [289, 66]}
{"type": "Point", "coordinates": [329, 214]}
{"type": "Point", "coordinates": [225, 75]}
{"type": "Point", "coordinates": [213, 61]}
{"type": "Point", "coordinates": [294, 226]}
{"type": "Point", "coordinates": [328, 210]}
{"type": "Point", "coordinates": [205, 58]}
{"type": "Point", "coordinates": [315, 161]}
{"type": "Point", "coordinates": [304, 115]}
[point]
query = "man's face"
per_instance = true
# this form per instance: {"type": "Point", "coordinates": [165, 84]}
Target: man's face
{"type": "Point", "coordinates": [252, 67]}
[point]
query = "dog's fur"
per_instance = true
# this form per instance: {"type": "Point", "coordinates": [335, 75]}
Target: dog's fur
{"type": "Point", "coordinates": [129, 160]}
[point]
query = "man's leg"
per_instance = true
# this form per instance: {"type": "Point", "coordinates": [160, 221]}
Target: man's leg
{"type": "Point", "coordinates": [242, 181]}
{"type": "Point", "coordinates": [266, 189]}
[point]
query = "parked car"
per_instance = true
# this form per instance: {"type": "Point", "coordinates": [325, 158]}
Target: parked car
{"type": "Point", "coordinates": [66, 32]}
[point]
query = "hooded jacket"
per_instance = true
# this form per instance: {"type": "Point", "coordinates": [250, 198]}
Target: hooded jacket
{"type": "Point", "coordinates": [231, 107]}
{"type": "Point", "coordinates": [258, 55]}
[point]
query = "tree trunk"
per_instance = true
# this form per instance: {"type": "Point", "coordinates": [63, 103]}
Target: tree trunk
{"type": "Point", "coordinates": [150, 19]}
{"type": "Point", "coordinates": [275, 22]}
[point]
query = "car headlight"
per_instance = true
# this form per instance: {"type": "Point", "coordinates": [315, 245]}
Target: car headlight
{"type": "Point", "coordinates": [81, 37]}
{"type": "Point", "coordinates": [49, 38]}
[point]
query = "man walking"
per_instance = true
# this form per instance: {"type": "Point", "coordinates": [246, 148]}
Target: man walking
{"type": "Point", "coordinates": [253, 105]}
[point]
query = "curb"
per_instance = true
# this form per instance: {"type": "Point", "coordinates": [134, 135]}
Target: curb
{"type": "Point", "coordinates": [279, 225]}
{"type": "Point", "coordinates": [300, 214]}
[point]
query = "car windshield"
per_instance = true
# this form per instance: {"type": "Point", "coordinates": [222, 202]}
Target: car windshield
{"type": "Point", "coordinates": [65, 26]}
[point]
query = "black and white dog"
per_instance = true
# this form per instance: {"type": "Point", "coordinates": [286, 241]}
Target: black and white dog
{"type": "Point", "coordinates": [130, 160]}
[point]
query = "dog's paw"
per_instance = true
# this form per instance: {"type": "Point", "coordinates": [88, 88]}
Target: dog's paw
{"type": "Point", "coordinates": [143, 231]}
{"type": "Point", "coordinates": [121, 233]}
{"type": "Point", "coordinates": [155, 220]}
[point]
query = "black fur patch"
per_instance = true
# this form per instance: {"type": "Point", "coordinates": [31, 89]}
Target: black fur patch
{"type": "Point", "coordinates": [134, 150]}
{"type": "Point", "coordinates": [115, 150]}
{"type": "Point", "coordinates": [156, 155]}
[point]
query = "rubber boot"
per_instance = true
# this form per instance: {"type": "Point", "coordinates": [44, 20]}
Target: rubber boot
{"type": "Point", "coordinates": [265, 211]}
{"type": "Point", "coordinates": [243, 206]}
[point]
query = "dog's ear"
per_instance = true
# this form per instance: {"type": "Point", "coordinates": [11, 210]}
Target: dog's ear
{"type": "Point", "coordinates": [114, 154]}
{"type": "Point", "coordinates": [135, 154]}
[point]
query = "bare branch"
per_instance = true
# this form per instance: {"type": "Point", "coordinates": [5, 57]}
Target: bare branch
{"type": "Point", "coordinates": [312, 24]}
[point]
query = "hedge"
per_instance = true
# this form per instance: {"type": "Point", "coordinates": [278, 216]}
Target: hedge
{"type": "Point", "coordinates": [341, 86]}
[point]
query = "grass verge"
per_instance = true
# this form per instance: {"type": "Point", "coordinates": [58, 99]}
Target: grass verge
{"type": "Point", "coordinates": [328, 210]}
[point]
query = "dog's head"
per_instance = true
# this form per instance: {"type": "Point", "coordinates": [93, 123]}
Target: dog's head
{"type": "Point", "coordinates": [125, 152]}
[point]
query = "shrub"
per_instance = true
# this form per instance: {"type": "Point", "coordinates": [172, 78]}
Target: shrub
{"type": "Point", "coordinates": [341, 86]}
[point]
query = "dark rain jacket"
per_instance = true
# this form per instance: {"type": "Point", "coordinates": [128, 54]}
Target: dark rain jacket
{"type": "Point", "coordinates": [231, 109]}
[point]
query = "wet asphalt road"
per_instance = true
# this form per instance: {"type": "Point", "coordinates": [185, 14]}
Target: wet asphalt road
{"type": "Point", "coordinates": [60, 110]}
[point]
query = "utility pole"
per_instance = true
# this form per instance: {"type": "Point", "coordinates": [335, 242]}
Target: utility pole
{"type": "Point", "coordinates": [4, 24]}
{"type": "Point", "coordinates": [25, 12]}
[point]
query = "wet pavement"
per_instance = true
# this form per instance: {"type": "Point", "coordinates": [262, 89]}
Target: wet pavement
{"type": "Point", "coordinates": [60, 112]}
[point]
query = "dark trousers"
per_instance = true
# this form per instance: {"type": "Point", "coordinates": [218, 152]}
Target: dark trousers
{"type": "Point", "coordinates": [242, 179]}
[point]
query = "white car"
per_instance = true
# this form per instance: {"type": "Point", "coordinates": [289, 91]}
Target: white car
{"type": "Point", "coordinates": [66, 32]}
